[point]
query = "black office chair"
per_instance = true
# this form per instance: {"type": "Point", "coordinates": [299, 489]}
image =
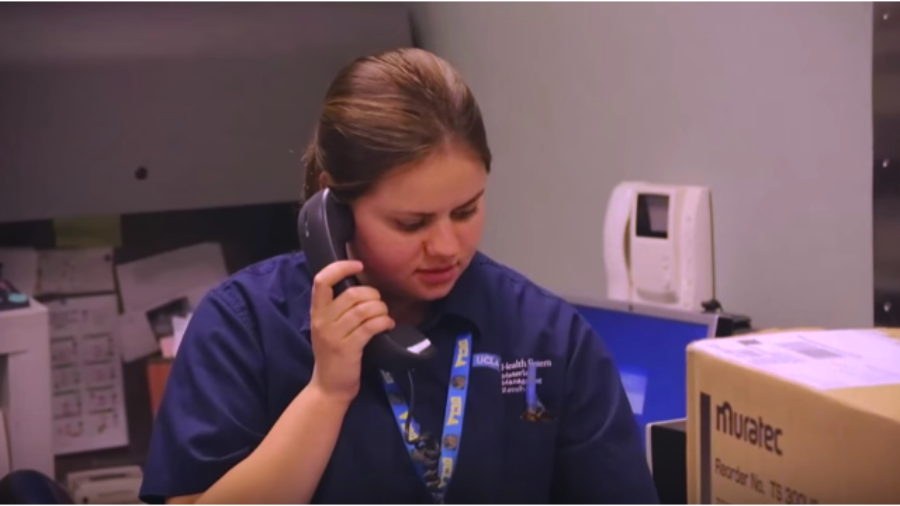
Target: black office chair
{"type": "Point", "coordinates": [32, 487]}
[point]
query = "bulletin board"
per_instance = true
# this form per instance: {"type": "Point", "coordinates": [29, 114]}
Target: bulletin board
{"type": "Point", "coordinates": [246, 235]}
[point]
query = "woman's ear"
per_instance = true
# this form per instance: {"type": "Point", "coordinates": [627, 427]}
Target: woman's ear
{"type": "Point", "coordinates": [323, 180]}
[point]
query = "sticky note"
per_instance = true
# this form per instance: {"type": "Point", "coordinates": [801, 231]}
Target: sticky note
{"type": "Point", "coordinates": [88, 231]}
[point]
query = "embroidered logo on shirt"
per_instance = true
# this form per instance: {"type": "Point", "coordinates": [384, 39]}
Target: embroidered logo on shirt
{"type": "Point", "coordinates": [534, 408]}
{"type": "Point", "coordinates": [488, 360]}
{"type": "Point", "coordinates": [519, 377]}
{"type": "Point", "coordinates": [514, 375]}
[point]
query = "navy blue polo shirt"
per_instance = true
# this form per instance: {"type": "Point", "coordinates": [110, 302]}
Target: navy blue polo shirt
{"type": "Point", "coordinates": [247, 354]}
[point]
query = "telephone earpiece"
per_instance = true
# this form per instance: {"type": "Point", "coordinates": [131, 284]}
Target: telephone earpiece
{"type": "Point", "coordinates": [325, 226]}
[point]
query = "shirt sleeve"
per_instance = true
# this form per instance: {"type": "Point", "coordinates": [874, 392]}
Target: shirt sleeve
{"type": "Point", "coordinates": [213, 412]}
{"type": "Point", "coordinates": [600, 458]}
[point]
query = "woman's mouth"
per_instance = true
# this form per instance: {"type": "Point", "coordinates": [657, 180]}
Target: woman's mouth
{"type": "Point", "coordinates": [438, 275]}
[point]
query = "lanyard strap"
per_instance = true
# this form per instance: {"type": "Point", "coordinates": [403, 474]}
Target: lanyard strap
{"type": "Point", "coordinates": [453, 416]}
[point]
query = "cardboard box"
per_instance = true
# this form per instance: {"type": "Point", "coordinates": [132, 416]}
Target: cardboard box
{"type": "Point", "coordinates": [794, 417]}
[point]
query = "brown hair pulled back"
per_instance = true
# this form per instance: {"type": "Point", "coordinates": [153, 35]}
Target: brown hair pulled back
{"type": "Point", "coordinates": [387, 110]}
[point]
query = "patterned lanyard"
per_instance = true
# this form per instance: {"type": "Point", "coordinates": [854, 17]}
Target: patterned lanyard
{"type": "Point", "coordinates": [424, 454]}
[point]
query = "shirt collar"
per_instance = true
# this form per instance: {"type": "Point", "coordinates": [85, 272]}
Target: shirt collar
{"type": "Point", "coordinates": [467, 300]}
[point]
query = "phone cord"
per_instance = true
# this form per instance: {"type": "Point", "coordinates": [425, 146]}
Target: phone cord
{"type": "Point", "coordinates": [427, 451]}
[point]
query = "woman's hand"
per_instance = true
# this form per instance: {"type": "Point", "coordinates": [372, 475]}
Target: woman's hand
{"type": "Point", "coordinates": [340, 328]}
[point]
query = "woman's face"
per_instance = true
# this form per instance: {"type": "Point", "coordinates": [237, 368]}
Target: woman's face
{"type": "Point", "coordinates": [419, 227]}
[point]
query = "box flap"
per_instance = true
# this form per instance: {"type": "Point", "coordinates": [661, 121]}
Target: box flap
{"type": "Point", "coordinates": [858, 367]}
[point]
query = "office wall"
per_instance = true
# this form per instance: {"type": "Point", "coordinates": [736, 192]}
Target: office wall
{"type": "Point", "coordinates": [769, 104]}
{"type": "Point", "coordinates": [215, 101]}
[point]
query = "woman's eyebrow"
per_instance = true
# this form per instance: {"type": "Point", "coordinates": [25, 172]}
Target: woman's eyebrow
{"type": "Point", "coordinates": [427, 214]}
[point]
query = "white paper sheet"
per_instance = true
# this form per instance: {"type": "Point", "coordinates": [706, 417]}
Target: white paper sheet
{"type": "Point", "coordinates": [68, 271]}
{"type": "Point", "coordinates": [20, 267]}
{"type": "Point", "coordinates": [88, 388]}
{"type": "Point", "coordinates": [179, 325]}
{"type": "Point", "coordinates": [146, 282]}
{"type": "Point", "coordinates": [135, 337]}
{"type": "Point", "coordinates": [167, 347]}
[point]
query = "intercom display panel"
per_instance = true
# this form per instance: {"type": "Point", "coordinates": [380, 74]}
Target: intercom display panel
{"type": "Point", "coordinates": [652, 216]}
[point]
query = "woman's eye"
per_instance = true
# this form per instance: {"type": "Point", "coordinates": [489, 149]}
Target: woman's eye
{"type": "Point", "coordinates": [410, 226]}
{"type": "Point", "coordinates": [465, 213]}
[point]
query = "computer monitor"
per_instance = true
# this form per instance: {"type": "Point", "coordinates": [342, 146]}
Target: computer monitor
{"type": "Point", "coordinates": [648, 345]}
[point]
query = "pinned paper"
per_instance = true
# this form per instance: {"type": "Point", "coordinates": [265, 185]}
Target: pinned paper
{"type": "Point", "coordinates": [88, 385]}
{"type": "Point", "coordinates": [135, 336]}
{"type": "Point", "coordinates": [141, 332]}
{"type": "Point", "coordinates": [167, 347]}
{"type": "Point", "coordinates": [70, 271]}
{"type": "Point", "coordinates": [179, 326]}
{"type": "Point", "coordinates": [159, 279]}
{"type": "Point", "coordinates": [88, 231]}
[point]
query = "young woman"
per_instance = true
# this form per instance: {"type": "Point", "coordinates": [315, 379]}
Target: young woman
{"type": "Point", "coordinates": [269, 400]}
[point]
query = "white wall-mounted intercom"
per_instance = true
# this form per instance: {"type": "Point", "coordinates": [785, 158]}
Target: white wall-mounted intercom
{"type": "Point", "coordinates": [658, 245]}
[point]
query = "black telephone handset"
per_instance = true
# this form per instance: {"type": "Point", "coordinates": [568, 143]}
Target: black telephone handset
{"type": "Point", "coordinates": [325, 227]}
